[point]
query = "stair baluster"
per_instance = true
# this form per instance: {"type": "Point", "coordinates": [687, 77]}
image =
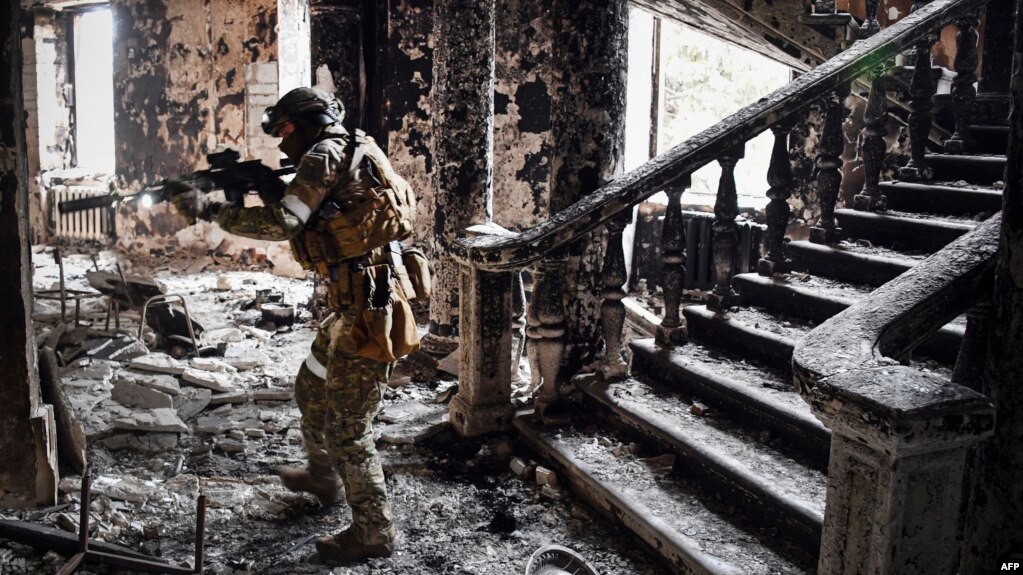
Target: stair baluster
{"type": "Point", "coordinates": [672, 330]}
{"type": "Point", "coordinates": [871, 26]}
{"type": "Point", "coordinates": [545, 327]}
{"type": "Point", "coordinates": [612, 310]}
{"type": "Point", "coordinates": [726, 232]}
{"type": "Point", "coordinates": [964, 93]}
{"type": "Point", "coordinates": [779, 177]}
{"type": "Point", "coordinates": [829, 167]}
{"type": "Point", "coordinates": [518, 324]}
{"type": "Point", "coordinates": [825, 7]}
{"type": "Point", "coordinates": [921, 91]}
{"type": "Point", "coordinates": [874, 148]}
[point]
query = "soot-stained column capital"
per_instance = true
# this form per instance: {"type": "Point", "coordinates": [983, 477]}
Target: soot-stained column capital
{"type": "Point", "coordinates": [28, 474]}
{"type": "Point", "coordinates": [463, 135]}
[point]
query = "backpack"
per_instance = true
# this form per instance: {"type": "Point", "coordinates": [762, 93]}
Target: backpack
{"type": "Point", "coordinates": [386, 215]}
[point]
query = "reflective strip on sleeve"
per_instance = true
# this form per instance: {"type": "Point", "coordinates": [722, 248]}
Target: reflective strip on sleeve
{"type": "Point", "coordinates": [314, 365]}
{"type": "Point", "coordinates": [297, 207]}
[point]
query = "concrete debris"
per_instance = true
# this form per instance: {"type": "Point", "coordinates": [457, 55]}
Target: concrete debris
{"type": "Point", "coordinates": [245, 358]}
{"type": "Point", "coordinates": [230, 397]}
{"type": "Point", "coordinates": [408, 410]}
{"type": "Point", "coordinates": [212, 364]}
{"type": "Point", "coordinates": [164, 419]}
{"type": "Point", "coordinates": [545, 476]}
{"type": "Point", "coordinates": [224, 283]}
{"type": "Point", "coordinates": [520, 467]}
{"type": "Point", "coordinates": [699, 408]}
{"type": "Point", "coordinates": [260, 334]}
{"type": "Point", "coordinates": [143, 443]}
{"type": "Point", "coordinates": [450, 363]}
{"type": "Point", "coordinates": [159, 363]}
{"type": "Point", "coordinates": [131, 394]}
{"type": "Point", "coordinates": [223, 335]}
{"type": "Point", "coordinates": [273, 394]}
{"type": "Point", "coordinates": [214, 425]}
{"type": "Point", "coordinates": [228, 445]}
{"type": "Point", "coordinates": [192, 401]}
{"type": "Point", "coordinates": [416, 429]}
{"type": "Point", "coordinates": [552, 492]}
{"type": "Point", "coordinates": [219, 382]}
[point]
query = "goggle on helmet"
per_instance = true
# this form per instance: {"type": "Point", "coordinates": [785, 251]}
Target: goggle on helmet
{"type": "Point", "coordinates": [308, 106]}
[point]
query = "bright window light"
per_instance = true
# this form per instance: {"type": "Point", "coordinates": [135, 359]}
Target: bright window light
{"type": "Point", "coordinates": [94, 90]}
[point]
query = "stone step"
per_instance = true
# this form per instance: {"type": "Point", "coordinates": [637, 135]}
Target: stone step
{"type": "Point", "coordinates": [773, 484]}
{"type": "Point", "coordinates": [818, 299]}
{"type": "Point", "coordinates": [974, 169]}
{"type": "Point", "coordinates": [991, 139]}
{"type": "Point", "coordinates": [848, 262]}
{"type": "Point", "coordinates": [751, 332]}
{"type": "Point", "coordinates": [748, 390]}
{"type": "Point", "coordinates": [941, 198]}
{"type": "Point", "coordinates": [674, 516]}
{"type": "Point", "coordinates": [902, 230]}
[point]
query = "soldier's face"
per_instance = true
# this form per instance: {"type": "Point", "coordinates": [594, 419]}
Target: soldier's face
{"type": "Point", "coordinates": [286, 129]}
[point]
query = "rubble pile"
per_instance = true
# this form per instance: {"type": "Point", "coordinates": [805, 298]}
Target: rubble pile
{"type": "Point", "coordinates": [161, 429]}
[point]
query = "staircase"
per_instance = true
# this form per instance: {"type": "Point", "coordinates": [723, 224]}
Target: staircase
{"type": "Point", "coordinates": [745, 488]}
{"type": "Point", "coordinates": [704, 448]}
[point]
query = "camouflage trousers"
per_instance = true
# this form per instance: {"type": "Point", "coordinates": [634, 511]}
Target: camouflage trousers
{"type": "Point", "coordinates": [339, 394]}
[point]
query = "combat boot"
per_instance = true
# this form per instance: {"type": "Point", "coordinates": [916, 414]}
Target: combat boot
{"type": "Point", "coordinates": [345, 548]}
{"type": "Point", "coordinates": [318, 480]}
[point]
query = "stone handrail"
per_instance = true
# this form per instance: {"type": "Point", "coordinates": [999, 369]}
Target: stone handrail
{"type": "Point", "coordinates": [503, 253]}
{"type": "Point", "coordinates": [899, 434]}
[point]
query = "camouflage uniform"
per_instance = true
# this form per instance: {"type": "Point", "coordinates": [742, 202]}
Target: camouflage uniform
{"type": "Point", "coordinates": [338, 392]}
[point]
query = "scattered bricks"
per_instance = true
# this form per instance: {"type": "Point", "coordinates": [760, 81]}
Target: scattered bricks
{"type": "Point", "coordinates": [546, 477]}
{"type": "Point", "coordinates": [552, 492]}
{"type": "Point", "coordinates": [520, 467]}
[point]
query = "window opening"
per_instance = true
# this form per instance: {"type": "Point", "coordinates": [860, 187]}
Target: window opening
{"type": "Point", "coordinates": [93, 42]}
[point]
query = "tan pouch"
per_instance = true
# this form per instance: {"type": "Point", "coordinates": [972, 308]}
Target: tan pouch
{"type": "Point", "coordinates": [384, 328]}
{"type": "Point", "coordinates": [420, 273]}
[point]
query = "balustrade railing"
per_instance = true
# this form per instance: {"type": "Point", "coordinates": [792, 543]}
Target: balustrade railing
{"type": "Point", "coordinates": [485, 256]}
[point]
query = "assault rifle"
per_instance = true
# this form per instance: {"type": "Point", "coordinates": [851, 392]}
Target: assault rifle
{"type": "Point", "coordinates": [225, 173]}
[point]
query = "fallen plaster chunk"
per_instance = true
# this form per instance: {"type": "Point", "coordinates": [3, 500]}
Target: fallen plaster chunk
{"type": "Point", "coordinates": [212, 364]}
{"type": "Point", "coordinates": [131, 394]}
{"type": "Point", "coordinates": [192, 401]}
{"type": "Point", "coordinates": [223, 335]}
{"type": "Point", "coordinates": [163, 419]}
{"type": "Point", "coordinates": [273, 394]}
{"type": "Point", "coordinates": [215, 425]}
{"type": "Point", "coordinates": [160, 382]}
{"type": "Point", "coordinates": [143, 443]}
{"type": "Point", "coordinates": [415, 430]}
{"type": "Point", "coordinates": [408, 410]}
{"type": "Point", "coordinates": [260, 334]}
{"type": "Point", "coordinates": [450, 363]}
{"type": "Point", "coordinates": [228, 445]}
{"type": "Point", "coordinates": [218, 382]}
{"type": "Point", "coordinates": [158, 362]}
{"type": "Point", "coordinates": [255, 433]}
{"type": "Point", "coordinates": [225, 283]}
{"type": "Point", "coordinates": [230, 397]}
{"type": "Point", "coordinates": [552, 493]}
{"type": "Point", "coordinates": [245, 358]}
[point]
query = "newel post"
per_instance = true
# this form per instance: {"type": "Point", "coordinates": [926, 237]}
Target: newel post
{"type": "Point", "coordinates": [483, 402]}
{"type": "Point", "coordinates": [895, 471]}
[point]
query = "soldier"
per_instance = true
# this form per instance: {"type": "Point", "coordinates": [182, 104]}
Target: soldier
{"type": "Point", "coordinates": [328, 214]}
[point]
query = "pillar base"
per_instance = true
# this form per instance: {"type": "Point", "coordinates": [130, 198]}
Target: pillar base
{"type": "Point", "coordinates": [768, 268]}
{"type": "Point", "coordinates": [480, 419]}
{"type": "Point", "coordinates": [912, 173]}
{"type": "Point", "coordinates": [438, 346]}
{"type": "Point", "coordinates": [865, 203]}
{"type": "Point", "coordinates": [825, 236]}
{"type": "Point", "coordinates": [955, 145]}
{"type": "Point", "coordinates": [671, 336]}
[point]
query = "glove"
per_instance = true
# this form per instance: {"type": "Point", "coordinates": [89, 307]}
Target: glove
{"type": "Point", "coordinates": [194, 205]}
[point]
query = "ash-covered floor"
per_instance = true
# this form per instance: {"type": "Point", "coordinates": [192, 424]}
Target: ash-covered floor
{"type": "Point", "coordinates": [162, 430]}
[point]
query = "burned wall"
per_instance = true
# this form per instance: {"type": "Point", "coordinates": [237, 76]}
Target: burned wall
{"type": "Point", "coordinates": [335, 51]}
{"type": "Point", "coordinates": [179, 70]}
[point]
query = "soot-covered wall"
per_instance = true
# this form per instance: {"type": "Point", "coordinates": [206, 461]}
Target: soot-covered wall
{"type": "Point", "coordinates": [179, 79]}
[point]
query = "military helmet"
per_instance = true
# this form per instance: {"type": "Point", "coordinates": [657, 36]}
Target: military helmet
{"type": "Point", "coordinates": [309, 106]}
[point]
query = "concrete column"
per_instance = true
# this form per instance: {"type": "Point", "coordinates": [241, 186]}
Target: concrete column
{"type": "Point", "coordinates": [589, 65]}
{"type": "Point", "coordinates": [994, 525]}
{"type": "Point", "coordinates": [463, 132]}
{"type": "Point", "coordinates": [28, 473]}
